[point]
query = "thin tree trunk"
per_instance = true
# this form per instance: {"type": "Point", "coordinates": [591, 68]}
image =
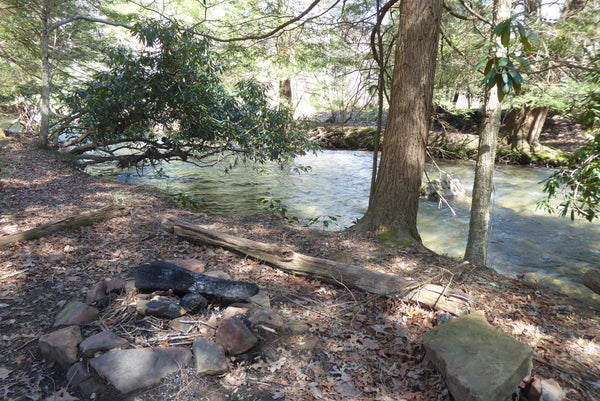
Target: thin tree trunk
{"type": "Point", "coordinates": [394, 205]}
{"type": "Point", "coordinates": [285, 91]}
{"type": "Point", "coordinates": [45, 109]}
{"type": "Point", "coordinates": [484, 171]}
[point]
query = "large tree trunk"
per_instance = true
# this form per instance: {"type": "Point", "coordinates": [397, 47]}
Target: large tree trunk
{"type": "Point", "coordinates": [484, 171]}
{"type": "Point", "coordinates": [432, 295]}
{"type": "Point", "coordinates": [524, 126]}
{"type": "Point", "coordinates": [395, 202]}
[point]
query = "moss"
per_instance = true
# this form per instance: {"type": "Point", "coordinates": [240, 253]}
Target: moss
{"type": "Point", "coordinates": [390, 236]}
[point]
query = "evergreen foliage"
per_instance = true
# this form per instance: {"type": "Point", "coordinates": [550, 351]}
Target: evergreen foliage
{"type": "Point", "coordinates": [579, 183]}
{"type": "Point", "coordinates": [168, 102]}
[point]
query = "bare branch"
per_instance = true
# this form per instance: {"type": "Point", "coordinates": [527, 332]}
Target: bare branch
{"type": "Point", "coordinates": [68, 20]}
{"type": "Point", "coordinates": [273, 31]}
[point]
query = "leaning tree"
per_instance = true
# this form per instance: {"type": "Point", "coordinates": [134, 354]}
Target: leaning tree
{"type": "Point", "coordinates": [168, 102]}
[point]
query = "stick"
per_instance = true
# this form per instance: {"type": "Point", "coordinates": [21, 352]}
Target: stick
{"type": "Point", "coordinates": [80, 220]}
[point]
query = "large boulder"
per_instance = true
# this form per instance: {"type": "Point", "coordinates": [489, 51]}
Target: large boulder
{"type": "Point", "coordinates": [478, 362]}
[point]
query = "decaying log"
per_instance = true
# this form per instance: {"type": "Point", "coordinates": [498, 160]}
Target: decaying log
{"type": "Point", "coordinates": [80, 220]}
{"type": "Point", "coordinates": [591, 279]}
{"type": "Point", "coordinates": [433, 295]}
{"type": "Point", "coordinates": [167, 276]}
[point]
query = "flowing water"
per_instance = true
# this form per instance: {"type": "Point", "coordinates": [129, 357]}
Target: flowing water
{"type": "Point", "coordinates": [548, 249]}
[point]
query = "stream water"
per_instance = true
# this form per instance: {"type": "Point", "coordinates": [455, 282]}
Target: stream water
{"type": "Point", "coordinates": [548, 249]}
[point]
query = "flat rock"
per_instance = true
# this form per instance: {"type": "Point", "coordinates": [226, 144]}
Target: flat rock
{"type": "Point", "coordinates": [80, 376]}
{"type": "Point", "coordinates": [132, 369]}
{"type": "Point", "coordinates": [60, 346]}
{"type": "Point", "coordinates": [261, 299]}
{"type": "Point", "coordinates": [209, 357]}
{"type": "Point", "coordinates": [102, 341]}
{"type": "Point", "coordinates": [75, 313]}
{"type": "Point", "coordinates": [234, 336]}
{"type": "Point", "coordinates": [478, 362]}
{"type": "Point", "coordinates": [218, 274]}
{"type": "Point", "coordinates": [195, 265]}
{"type": "Point", "coordinates": [267, 318]}
{"type": "Point", "coordinates": [115, 285]}
{"type": "Point", "coordinates": [97, 295]}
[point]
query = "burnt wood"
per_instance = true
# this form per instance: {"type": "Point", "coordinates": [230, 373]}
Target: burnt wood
{"type": "Point", "coordinates": [167, 276]}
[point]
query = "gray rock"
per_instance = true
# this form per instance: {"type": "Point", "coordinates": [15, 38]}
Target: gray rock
{"type": "Point", "coordinates": [540, 389]}
{"type": "Point", "coordinates": [97, 295]}
{"type": "Point", "coordinates": [194, 265]}
{"type": "Point", "coordinates": [103, 341]}
{"type": "Point", "coordinates": [160, 308]}
{"type": "Point", "coordinates": [209, 357]}
{"type": "Point", "coordinates": [80, 376]}
{"type": "Point", "coordinates": [75, 313]}
{"type": "Point", "coordinates": [266, 317]}
{"type": "Point", "coordinates": [60, 346]}
{"type": "Point", "coordinates": [115, 285]}
{"type": "Point", "coordinates": [133, 369]}
{"type": "Point", "coordinates": [234, 336]}
{"type": "Point", "coordinates": [218, 274]}
{"type": "Point", "coordinates": [478, 362]}
{"type": "Point", "coordinates": [233, 310]}
{"type": "Point", "coordinates": [262, 299]}
{"type": "Point", "coordinates": [193, 302]}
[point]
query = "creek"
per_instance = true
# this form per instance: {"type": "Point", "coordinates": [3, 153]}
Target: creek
{"type": "Point", "coordinates": [548, 249]}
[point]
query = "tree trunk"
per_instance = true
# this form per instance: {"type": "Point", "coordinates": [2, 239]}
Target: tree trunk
{"type": "Point", "coordinates": [484, 171]}
{"type": "Point", "coordinates": [394, 205]}
{"type": "Point", "coordinates": [285, 92]}
{"type": "Point", "coordinates": [81, 220]}
{"type": "Point", "coordinates": [432, 295]}
{"type": "Point", "coordinates": [524, 126]}
{"type": "Point", "coordinates": [45, 109]}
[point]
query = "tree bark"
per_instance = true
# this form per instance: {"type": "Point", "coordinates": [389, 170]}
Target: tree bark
{"type": "Point", "coordinates": [80, 220]}
{"type": "Point", "coordinates": [432, 295]}
{"type": "Point", "coordinates": [395, 201]}
{"type": "Point", "coordinates": [285, 92]}
{"type": "Point", "coordinates": [45, 108]}
{"type": "Point", "coordinates": [484, 171]}
{"type": "Point", "coordinates": [524, 127]}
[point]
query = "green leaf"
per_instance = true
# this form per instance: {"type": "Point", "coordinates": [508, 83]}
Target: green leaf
{"type": "Point", "coordinates": [521, 29]}
{"type": "Point", "coordinates": [505, 39]}
{"type": "Point", "coordinates": [499, 28]}
{"type": "Point", "coordinates": [480, 64]}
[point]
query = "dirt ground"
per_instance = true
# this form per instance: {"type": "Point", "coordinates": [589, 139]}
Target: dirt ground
{"type": "Point", "coordinates": [356, 347]}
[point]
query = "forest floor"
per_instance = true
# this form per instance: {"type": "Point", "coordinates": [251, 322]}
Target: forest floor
{"type": "Point", "coordinates": [357, 347]}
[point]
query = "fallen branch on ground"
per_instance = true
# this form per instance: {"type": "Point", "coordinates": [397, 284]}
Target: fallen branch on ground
{"type": "Point", "coordinates": [432, 295]}
{"type": "Point", "coordinates": [76, 221]}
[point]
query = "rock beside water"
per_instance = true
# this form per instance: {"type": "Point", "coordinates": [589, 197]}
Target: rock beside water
{"type": "Point", "coordinates": [478, 362]}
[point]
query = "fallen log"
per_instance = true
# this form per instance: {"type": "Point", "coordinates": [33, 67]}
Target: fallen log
{"type": "Point", "coordinates": [435, 296]}
{"type": "Point", "coordinates": [591, 279]}
{"type": "Point", "coordinates": [76, 221]}
{"type": "Point", "coordinates": [168, 276]}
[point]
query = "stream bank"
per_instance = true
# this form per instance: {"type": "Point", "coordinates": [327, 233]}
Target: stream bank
{"type": "Point", "coordinates": [375, 342]}
{"type": "Point", "coordinates": [455, 136]}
